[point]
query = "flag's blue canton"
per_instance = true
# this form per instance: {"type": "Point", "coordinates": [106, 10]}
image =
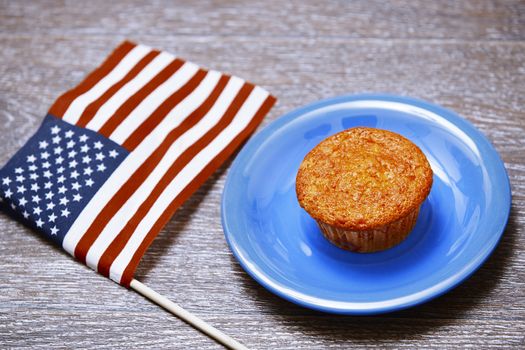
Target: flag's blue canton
{"type": "Point", "coordinates": [52, 178]}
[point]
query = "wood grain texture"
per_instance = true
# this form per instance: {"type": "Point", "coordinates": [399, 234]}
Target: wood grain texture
{"type": "Point", "coordinates": [465, 55]}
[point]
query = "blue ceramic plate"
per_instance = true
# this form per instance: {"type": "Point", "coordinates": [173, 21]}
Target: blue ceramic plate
{"type": "Point", "coordinates": [280, 246]}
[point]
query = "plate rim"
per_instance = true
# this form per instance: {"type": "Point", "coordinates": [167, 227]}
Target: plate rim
{"type": "Point", "coordinates": [453, 281]}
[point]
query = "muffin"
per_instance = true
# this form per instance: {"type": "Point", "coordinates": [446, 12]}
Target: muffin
{"type": "Point", "coordinates": [364, 187]}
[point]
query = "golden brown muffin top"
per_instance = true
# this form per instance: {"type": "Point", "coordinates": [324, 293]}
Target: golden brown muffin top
{"type": "Point", "coordinates": [363, 178]}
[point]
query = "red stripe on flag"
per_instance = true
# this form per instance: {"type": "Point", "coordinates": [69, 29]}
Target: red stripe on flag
{"type": "Point", "coordinates": [114, 121]}
{"type": "Point", "coordinates": [94, 106]}
{"type": "Point", "coordinates": [122, 238]}
{"type": "Point", "coordinates": [192, 187]}
{"type": "Point", "coordinates": [135, 180]}
{"type": "Point", "coordinates": [156, 117]}
{"type": "Point", "coordinates": [64, 101]}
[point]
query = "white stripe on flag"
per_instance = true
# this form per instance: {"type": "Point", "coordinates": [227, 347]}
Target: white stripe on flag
{"type": "Point", "coordinates": [78, 106]}
{"type": "Point", "coordinates": [124, 213]}
{"type": "Point", "coordinates": [109, 108]}
{"type": "Point", "coordinates": [152, 101]}
{"type": "Point", "coordinates": [192, 169]}
{"type": "Point", "coordinates": [126, 169]}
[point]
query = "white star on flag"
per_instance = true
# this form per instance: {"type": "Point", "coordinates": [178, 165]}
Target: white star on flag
{"type": "Point", "coordinates": [39, 222]}
{"type": "Point", "coordinates": [52, 217]}
{"type": "Point", "coordinates": [54, 230]}
{"type": "Point", "coordinates": [37, 211]}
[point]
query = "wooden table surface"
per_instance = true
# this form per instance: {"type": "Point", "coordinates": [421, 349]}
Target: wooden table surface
{"type": "Point", "coordinates": [468, 56]}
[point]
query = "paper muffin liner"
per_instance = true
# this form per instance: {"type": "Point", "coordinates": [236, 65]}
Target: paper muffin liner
{"type": "Point", "coordinates": [368, 241]}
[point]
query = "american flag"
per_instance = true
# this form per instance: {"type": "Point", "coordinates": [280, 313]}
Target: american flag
{"type": "Point", "coordinates": [119, 153]}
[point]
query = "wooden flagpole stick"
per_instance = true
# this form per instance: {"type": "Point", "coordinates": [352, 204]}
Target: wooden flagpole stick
{"type": "Point", "coordinates": [186, 316]}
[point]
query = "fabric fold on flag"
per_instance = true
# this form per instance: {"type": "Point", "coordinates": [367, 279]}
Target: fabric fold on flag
{"type": "Point", "coordinates": [119, 153]}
